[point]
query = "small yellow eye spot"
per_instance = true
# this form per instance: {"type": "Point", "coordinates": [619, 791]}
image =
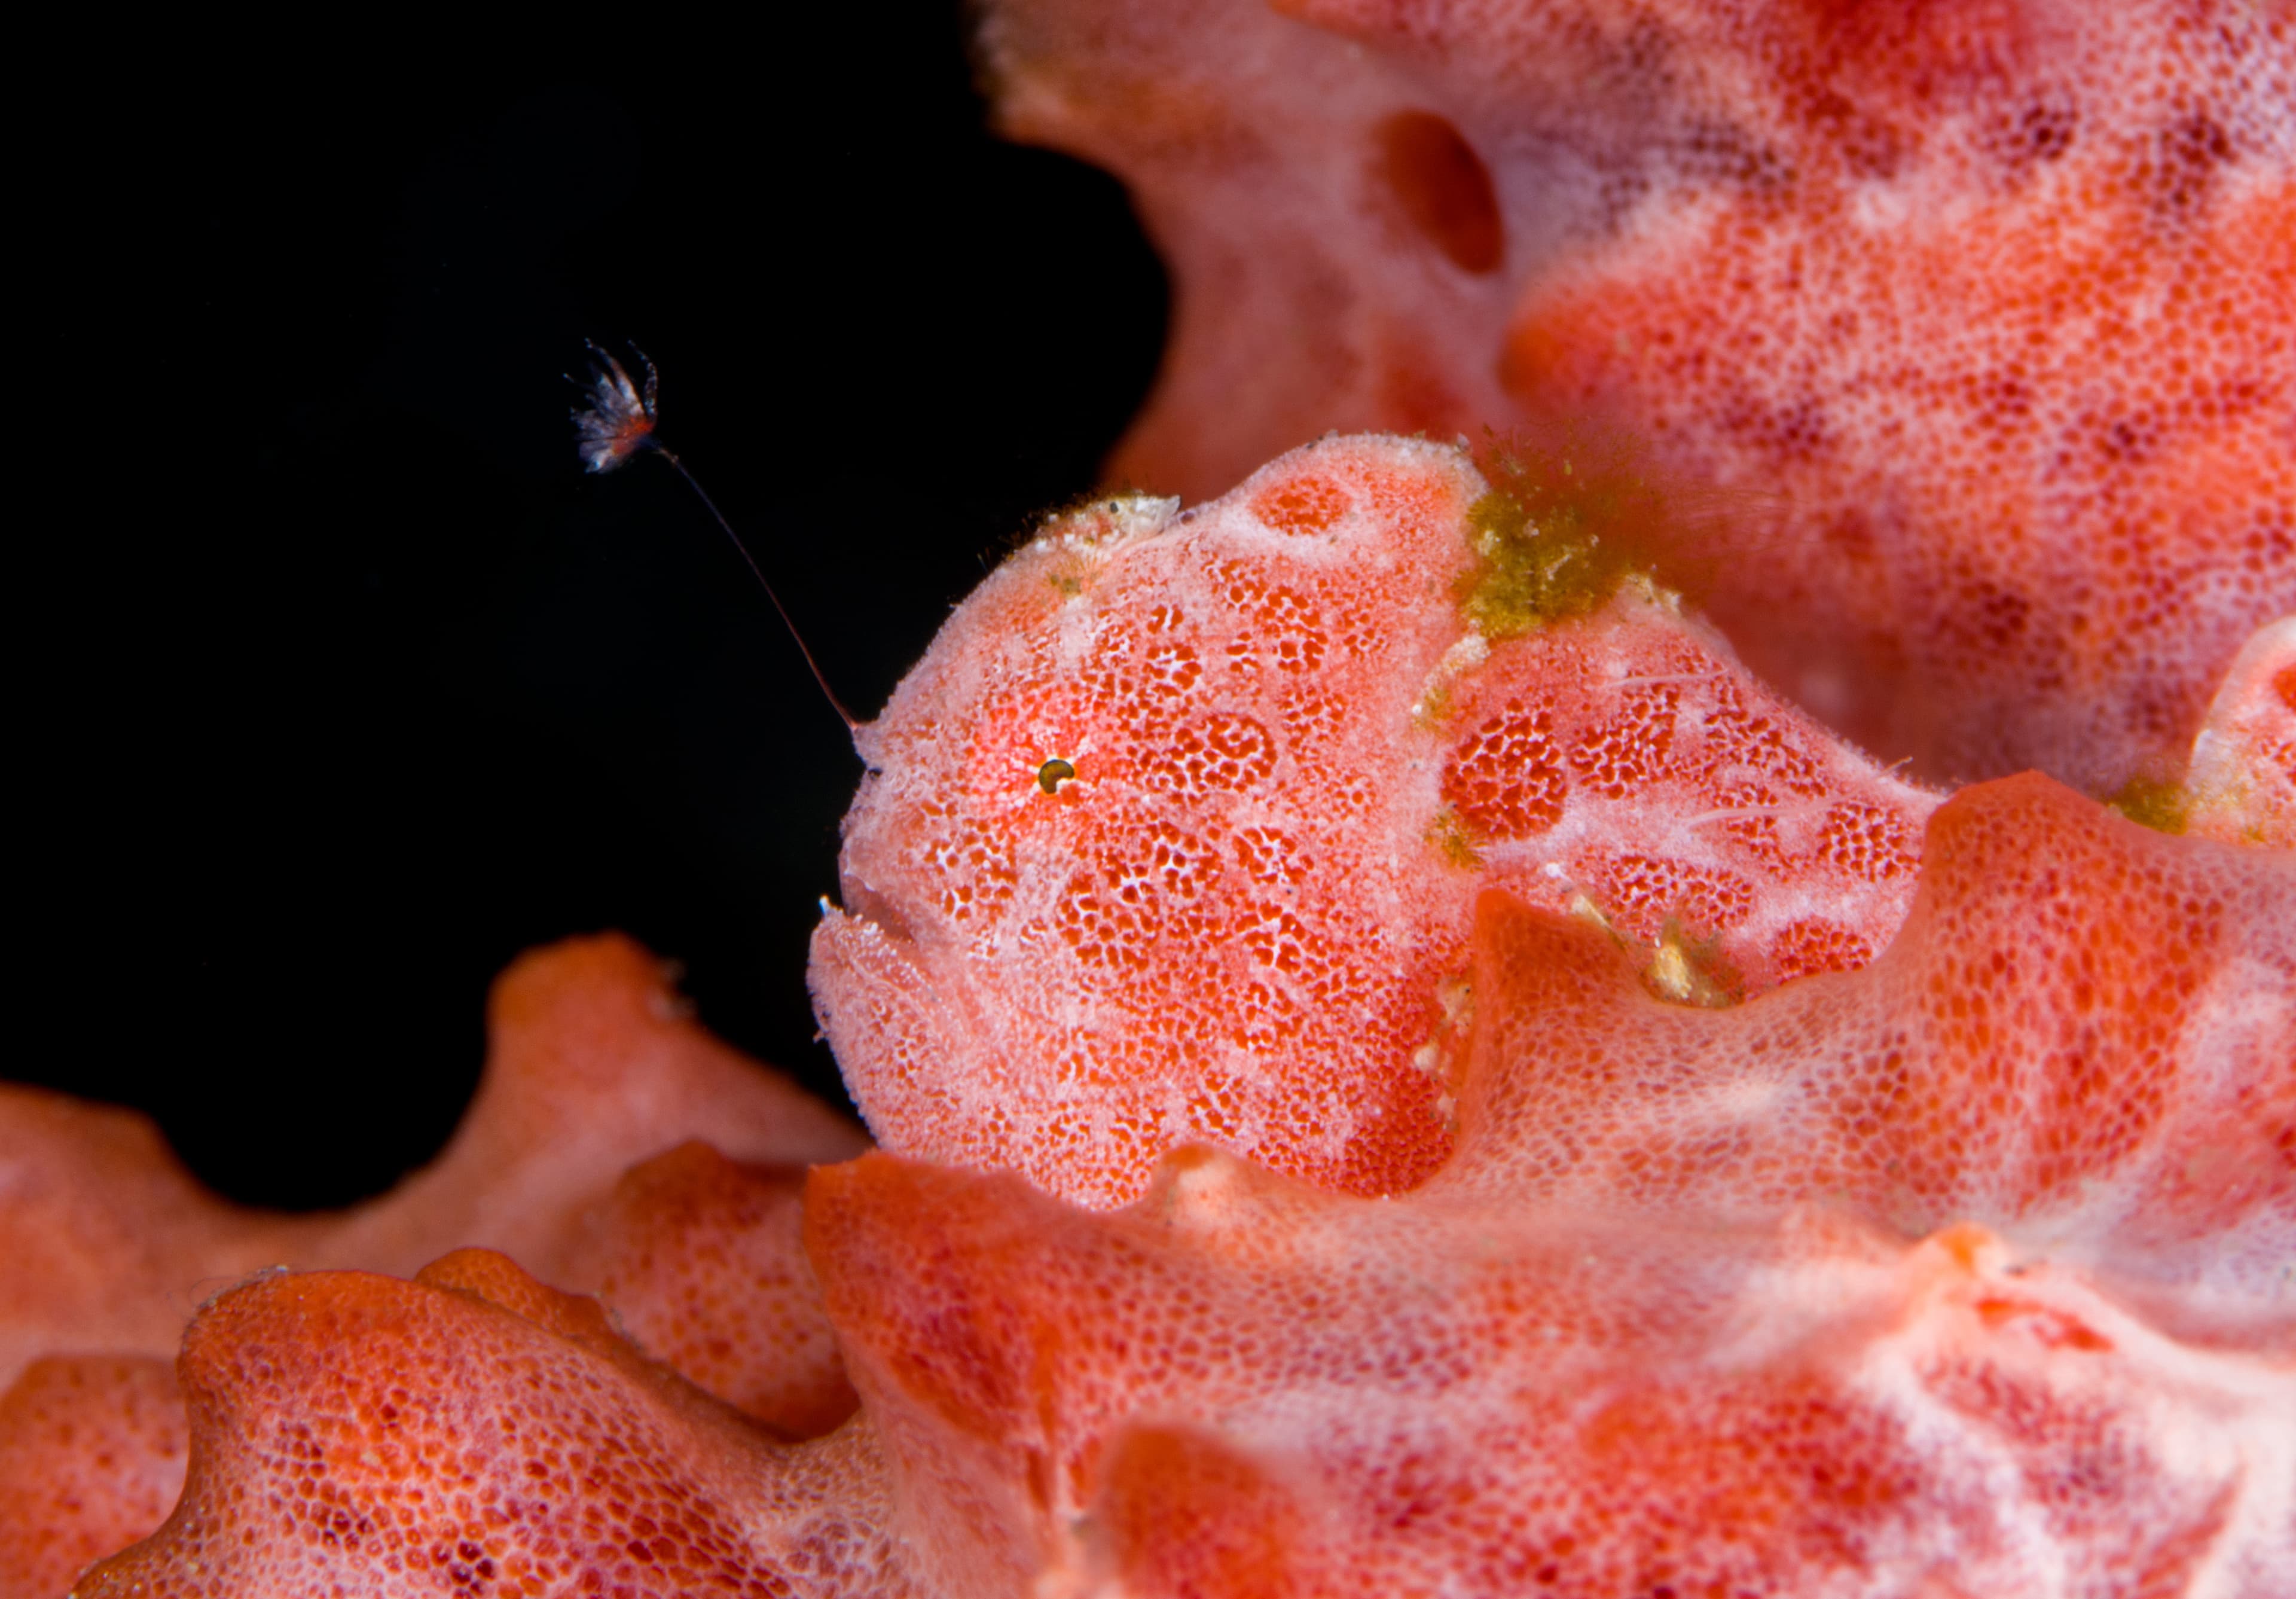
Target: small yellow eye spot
{"type": "Point", "coordinates": [1053, 774]}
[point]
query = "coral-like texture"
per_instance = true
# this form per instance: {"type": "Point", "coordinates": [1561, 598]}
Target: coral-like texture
{"type": "Point", "coordinates": [91, 1450]}
{"type": "Point", "coordinates": [594, 1065]}
{"type": "Point", "coordinates": [698, 1256]}
{"type": "Point", "coordinates": [475, 1432]}
{"type": "Point", "coordinates": [1889, 1282]}
{"type": "Point", "coordinates": [1991, 295]}
{"type": "Point", "coordinates": [2084, 1036]}
{"type": "Point", "coordinates": [1403, 1065]}
{"type": "Point", "coordinates": [1293, 759]}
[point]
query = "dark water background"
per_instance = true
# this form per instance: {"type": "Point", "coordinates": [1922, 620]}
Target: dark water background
{"type": "Point", "coordinates": [337, 682]}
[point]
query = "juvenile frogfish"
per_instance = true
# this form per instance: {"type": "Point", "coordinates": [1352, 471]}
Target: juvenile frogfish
{"type": "Point", "coordinates": [1992, 296]}
{"type": "Point", "coordinates": [1176, 833]}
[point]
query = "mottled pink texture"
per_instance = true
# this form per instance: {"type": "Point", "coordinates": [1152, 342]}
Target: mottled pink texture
{"type": "Point", "coordinates": [595, 1064]}
{"type": "Point", "coordinates": [1963, 1271]}
{"type": "Point", "coordinates": [109, 1246]}
{"type": "Point", "coordinates": [1295, 762]}
{"type": "Point", "coordinates": [1991, 296]}
{"type": "Point", "coordinates": [92, 1454]}
{"type": "Point", "coordinates": [1390, 1087]}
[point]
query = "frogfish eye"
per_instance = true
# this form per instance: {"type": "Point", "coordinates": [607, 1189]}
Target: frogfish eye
{"type": "Point", "coordinates": [1053, 773]}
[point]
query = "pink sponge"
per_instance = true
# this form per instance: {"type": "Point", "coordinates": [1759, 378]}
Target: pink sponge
{"type": "Point", "coordinates": [1991, 296]}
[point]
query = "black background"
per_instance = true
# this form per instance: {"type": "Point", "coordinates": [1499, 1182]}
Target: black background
{"type": "Point", "coordinates": [338, 683]}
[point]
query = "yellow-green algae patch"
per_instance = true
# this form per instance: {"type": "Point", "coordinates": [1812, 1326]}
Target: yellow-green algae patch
{"type": "Point", "coordinates": [1558, 531]}
{"type": "Point", "coordinates": [1452, 840]}
{"type": "Point", "coordinates": [1693, 971]}
{"type": "Point", "coordinates": [2151, 803]}
{"type": "Point", "coordinates": [1567, 520]}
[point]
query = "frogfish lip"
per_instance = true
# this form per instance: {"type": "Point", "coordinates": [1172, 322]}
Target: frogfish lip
{"type": "Point", "coordinates": [864, 902]}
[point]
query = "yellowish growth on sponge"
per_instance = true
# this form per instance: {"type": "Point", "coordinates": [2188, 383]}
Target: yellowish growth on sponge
{"type": "Point", "coordinates": [1693, 971]}
{"type": "Point", "coordinates": [1573, 516]}
{"type": "Point", "coordinates": [2148, 802]}
{"type": "Point", "coordinates": [1433, 707]}
{"type": "Point", "coordinates": [1680, 969]}
{"type": "Point", "coordinates": [1452, 840]}
{"type": "Point", "coordinates": [1557, 533]}
{"type": "Point", "coordinates": [1588, 911]}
